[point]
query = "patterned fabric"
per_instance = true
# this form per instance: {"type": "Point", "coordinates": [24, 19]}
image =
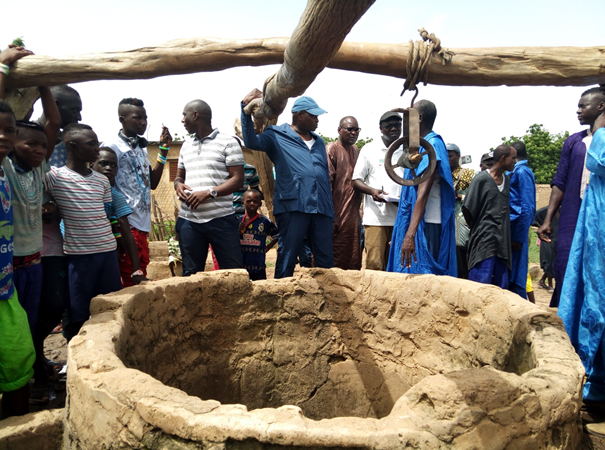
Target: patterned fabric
{"type": "Point", "coordinates": [6, 240]}
{"type": "Point", "coordinates": [206, 163]}
{"type": "Point", "coordinates": [27, 206]}
{"type": "Point", "coordinates": [81, 203]}
{"type": "Point", "coordinates": [251, 180]}
{"type": "Point", "coordinates": [59, 156]}
{"type": "Point", "coordinates": [254, 243]}
{"type": "Point", "coordinates": [133, 180]}
{"type": "Point", "coordinates": [462, 180]}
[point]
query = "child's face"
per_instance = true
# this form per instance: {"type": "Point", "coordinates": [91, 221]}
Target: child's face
{"type": "Point", "coordinates": [251, 202]}
{"type": "Point", "coordinates": [30, 147]}
{"type": "Point", "coordinates": [8, 132]}
{"type": "Point", "coordinates": [107, 164]}
{"type": "Point", "coordinates": [86, 146]}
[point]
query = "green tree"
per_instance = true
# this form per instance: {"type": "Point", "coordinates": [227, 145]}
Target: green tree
{"type": "Point", "coordinates": [543, 151]}
{"type": "Point", "coordinates": [360, 142]}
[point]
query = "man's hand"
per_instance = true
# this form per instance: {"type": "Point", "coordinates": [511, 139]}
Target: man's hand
{"type": "Point", "coordinates": [195, 199]}
{"type": "Point", "coordinates": [12, 54]}
{"type": "Point", "coordinates": [408, 249]}
{"type": "Point", "coordinates": [544, 232]}
{"type": "Point", "coordinates": [165, 137]}
{"type": "Point", "coordinates": [182, 191]}
{"type": "Point", "coordinates": [254, 93]}
{"type": "Point", "coordinates": [516, 246]}
{"type": "Point", "coordinates": [377, 195]}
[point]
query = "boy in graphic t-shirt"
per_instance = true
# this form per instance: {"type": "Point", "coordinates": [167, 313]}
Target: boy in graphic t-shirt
{"type": "Point", "coordinates": [254, 229]}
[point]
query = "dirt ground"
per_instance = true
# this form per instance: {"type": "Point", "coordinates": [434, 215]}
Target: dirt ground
{"type": "Point", "coordinates": [56, 350]}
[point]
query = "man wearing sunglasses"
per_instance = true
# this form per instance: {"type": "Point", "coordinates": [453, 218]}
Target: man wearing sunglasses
{"type": "Point", "coordinates": [346, 231]}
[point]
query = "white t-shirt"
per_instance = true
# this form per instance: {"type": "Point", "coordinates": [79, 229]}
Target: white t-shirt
{"type": "Point", "coordinates": [370, 169]}
{"type": "Point", "coordinates": [432, 212]}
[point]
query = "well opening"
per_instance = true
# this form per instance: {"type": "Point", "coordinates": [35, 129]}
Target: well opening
{"type": "Point", "coordinates": [321, 343]}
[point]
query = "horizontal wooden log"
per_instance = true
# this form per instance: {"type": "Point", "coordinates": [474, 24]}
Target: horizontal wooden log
{"type": "Point", "coordinates": [512, 66]}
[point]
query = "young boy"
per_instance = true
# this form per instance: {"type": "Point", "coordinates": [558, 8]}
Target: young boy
{"type": "Point", "coordinates": [107, 164]}
{"type": "Point", "coordinates": [16, 347]}
{"type": "Point", "coordinates": [89, 243]}
{"type": "Point", "coordinates": [253, 230]}
{"type": "Point", "coordinates": [25, 168]}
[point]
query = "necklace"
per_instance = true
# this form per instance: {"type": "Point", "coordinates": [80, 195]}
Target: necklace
{"type": "Point", "coordinates": [32, 206]}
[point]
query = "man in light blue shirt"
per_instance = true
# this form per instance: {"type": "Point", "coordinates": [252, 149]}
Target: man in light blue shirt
{"type": "Point", "coordinates": [302, 202]}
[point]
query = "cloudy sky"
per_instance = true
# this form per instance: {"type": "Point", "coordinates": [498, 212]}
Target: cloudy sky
{"type": "Point", "coordinates": [474, 118]}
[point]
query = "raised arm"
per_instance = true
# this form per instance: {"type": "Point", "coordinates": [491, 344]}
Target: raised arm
{"type": "Point", "coordinates": [53, 118]}
{"type": "Point", "coordinates": [8, 57]}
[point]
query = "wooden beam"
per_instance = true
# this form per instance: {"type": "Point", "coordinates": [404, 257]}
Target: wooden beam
{"type": "Point", "coordinates": [512, 66]}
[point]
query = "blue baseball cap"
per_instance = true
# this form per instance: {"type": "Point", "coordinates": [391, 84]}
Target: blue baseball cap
{"type": "Point", "coordinates": [309, 105]}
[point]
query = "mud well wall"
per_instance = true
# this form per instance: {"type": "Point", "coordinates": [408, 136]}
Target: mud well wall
{"type": "Point", "coordinates": [333, 344]}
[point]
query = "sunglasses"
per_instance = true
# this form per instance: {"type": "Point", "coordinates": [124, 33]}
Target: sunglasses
{"type": "Point", "coordinates": [351, 129]}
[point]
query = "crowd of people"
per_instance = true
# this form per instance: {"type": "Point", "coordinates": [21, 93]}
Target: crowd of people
{"type": "Point", "coordinates": [77, 213]}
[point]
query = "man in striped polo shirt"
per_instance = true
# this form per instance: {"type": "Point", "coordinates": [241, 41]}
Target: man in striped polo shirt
{"type": "Point", "coordinates": [210, 169]}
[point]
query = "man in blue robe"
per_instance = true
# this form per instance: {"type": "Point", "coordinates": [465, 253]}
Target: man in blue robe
{"type": "Point", "coordinates": [582, 305]}
{"type": "Point", "coordinates": [522, 212]}
{"type": "Point", "coordinates": [424, 235]}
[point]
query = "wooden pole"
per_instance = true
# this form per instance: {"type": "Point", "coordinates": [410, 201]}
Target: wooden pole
{"type": "Point", "coordinates": [511, 66]}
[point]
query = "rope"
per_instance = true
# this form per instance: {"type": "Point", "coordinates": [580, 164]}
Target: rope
{"type": "Point", "coordinates": [420, 53]}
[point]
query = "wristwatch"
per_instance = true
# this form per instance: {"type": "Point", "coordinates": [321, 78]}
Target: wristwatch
{"type": "Point", "coordinates": [213, 193]}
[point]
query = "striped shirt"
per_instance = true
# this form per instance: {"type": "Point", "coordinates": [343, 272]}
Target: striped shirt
{"type": "Point", "coordinates": [118, 206]}
{"type": "Point", "coordinates": [205, 162]}
{"type": "Point", "coordinates": [81, 202]}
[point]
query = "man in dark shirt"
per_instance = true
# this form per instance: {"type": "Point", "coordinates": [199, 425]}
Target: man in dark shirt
{"type": "Point", "coordinates": [486, 210]}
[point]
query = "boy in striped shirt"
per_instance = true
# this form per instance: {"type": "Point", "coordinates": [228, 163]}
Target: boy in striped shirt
{"type": "Point", "coordinates": [90, 246]}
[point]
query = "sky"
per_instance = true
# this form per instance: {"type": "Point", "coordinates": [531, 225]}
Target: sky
{"type": "Point", "coordinates": [475, 118]}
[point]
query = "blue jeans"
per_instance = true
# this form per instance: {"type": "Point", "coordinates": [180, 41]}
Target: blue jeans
{"type": "Point", "coordinates": [222, 233]}
{"type": "Point", "coordinates": [293, 227]}
{"type": "Point", "coordinates": [90, 275]}
{"type": "Point", "coordinates": [28, 283]}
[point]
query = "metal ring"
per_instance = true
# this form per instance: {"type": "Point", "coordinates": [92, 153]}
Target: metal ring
{"type": "Point", "coordinates": [416, 180]}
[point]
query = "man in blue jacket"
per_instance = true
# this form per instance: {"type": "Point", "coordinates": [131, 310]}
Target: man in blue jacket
{"type": "Point", "coordinates": [302, 202]}
{"type": "Point", "coordinates": [522, 212]}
